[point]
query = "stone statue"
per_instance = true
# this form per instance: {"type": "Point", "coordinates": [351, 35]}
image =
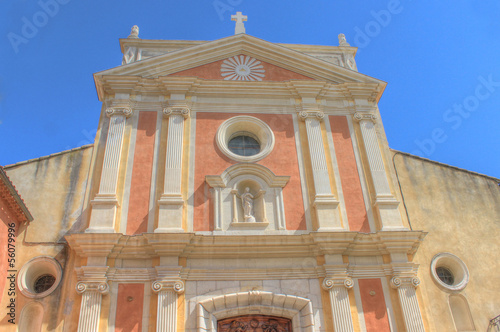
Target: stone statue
{"type": "Point", "coordinates": [343, 41]}
{"type": "Point", "coordinates": [135, 32]}
{"type": "Point", "coordinates": [247, 202]}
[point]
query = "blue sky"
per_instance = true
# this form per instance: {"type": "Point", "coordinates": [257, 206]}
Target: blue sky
{"type": "Point", "coordinates": [440, 59]}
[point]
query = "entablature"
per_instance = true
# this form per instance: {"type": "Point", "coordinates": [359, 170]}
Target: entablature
{"type": "Point", "coordinates": [316, 92]}
{"type": "Point", "coordinates": [192, 245]}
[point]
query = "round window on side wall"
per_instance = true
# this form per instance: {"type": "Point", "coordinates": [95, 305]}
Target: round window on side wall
{"type": "Point", "coordinates": [39, 277]}
{"type": "Point", "coordinates": [245, 139]}
{"type": "Point", "coordinates": [449, 272]}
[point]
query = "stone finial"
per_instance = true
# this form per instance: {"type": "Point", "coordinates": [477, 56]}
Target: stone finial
{"type": "Point", "coordinates": [343, 41]}
{"type": "Point", "coordinates": [240, 26]}
{"type": "Point", "coordinates": [134, 33]}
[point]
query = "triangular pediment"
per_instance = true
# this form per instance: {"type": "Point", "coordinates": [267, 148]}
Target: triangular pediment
{"type": "Point", "coordinates": [205, 60]}
{"type": "Point", "coordinates": [242, 68]}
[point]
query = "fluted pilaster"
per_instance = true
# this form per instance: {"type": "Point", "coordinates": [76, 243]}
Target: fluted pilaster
{"type": "Point", "coordinates": [109, 175]}
{"type": "Point", "coordinates": [339, 301]}
{"type": "Point", "coordinates": [373, 152]}
{"type": "Point", "coordinates": [166, 317]}
{"type": "Point", "coordinates": [385, 202]}
{"type": "Point", "coordinates": [102, 219]}
{"type": "Point", "coordinates": [173, 162]}
{"type": "Point", "coordinates": [325, 203]}
{"type": "Point", "coordinates": [409, 303]}
{"type": "Point", "coordinates": [90, 309]}
{"type": "Point", "coordinates": [171, 201]}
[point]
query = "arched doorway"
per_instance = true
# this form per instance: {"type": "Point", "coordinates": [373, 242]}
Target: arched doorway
{"type": "Point", "coordinates": [255, 323]}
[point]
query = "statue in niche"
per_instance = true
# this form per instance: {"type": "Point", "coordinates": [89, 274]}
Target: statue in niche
{"type": "Point", "coordinates": [247, 202]}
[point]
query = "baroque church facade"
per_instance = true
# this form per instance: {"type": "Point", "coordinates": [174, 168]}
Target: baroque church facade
{"type": "Point", "coordinates": [243, 185]}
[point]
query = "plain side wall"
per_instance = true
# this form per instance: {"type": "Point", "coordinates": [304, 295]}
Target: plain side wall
{"type": "Point", "coordinates": [53, 189]}
{"type": "Point", "coordinates": [461, 212]}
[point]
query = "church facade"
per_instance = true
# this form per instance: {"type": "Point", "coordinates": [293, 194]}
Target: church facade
{"type": "Point", "coordinates": [242, 185]}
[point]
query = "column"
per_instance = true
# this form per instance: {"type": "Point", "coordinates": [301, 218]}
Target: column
{"type": "Point", "coordinates": [171, 201]}
{"type": "Point", "coordinates": [90, 309]}
{"type": "Point", "coordinates": [409, 303]}
{"type": "Point", "coordinates": [102, 219]}
{"type": "Point", "coordinates": [385, 202]}
{"type": "Point", "coordinates": [325, 203]}
{"type": "Point", "coordinates": [166, 316]}
{"type": "Point", "coordinates": [339, 301]}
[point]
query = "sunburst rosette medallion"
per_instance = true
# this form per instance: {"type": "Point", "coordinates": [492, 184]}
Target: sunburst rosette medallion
{"type": "Point", "coordinates": [242, 68]}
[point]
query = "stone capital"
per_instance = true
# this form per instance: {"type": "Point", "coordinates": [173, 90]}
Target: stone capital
{"type": "Point", "coordinates": [124, 111]}
{"type": "Point", "coordinates": [365, 117]}
{"type": "Point", "coordinates": [318, 115]}
{"type": "Point", "coordinates": [101, 287]}
{"type": "Point", "coordinates": [397, 282]}
{"type": "Point", "coordinates": [184, 111]}
{"type": "Point", "coordinates": [168, 285]}
{"type": "Point", "coordinates": [330, 283]}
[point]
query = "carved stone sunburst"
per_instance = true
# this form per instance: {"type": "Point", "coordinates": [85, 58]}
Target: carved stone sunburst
{"type": "Point", "coordinates": [242, 68]}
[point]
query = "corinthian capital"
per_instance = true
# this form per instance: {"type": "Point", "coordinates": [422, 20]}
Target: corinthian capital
{"type": "Point", "coordinates": [101, 287]}
{"type": "Point", "coordinates": [364, 116]}
{"type": "Point", "coordinates": [319, 115]}
{"type": "Point", "coordinates": [337, 282]}
{"type": "Point", "coordinates": [125, 111]}
{"type": "Point", "coordinates": [184, 111]}
{"type": "Point", "coordinates": [166, 285]}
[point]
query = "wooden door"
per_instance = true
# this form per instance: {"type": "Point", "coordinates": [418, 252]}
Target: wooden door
{"type": "Point", "coordinates": [255, 323]}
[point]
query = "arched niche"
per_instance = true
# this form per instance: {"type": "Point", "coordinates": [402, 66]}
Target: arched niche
{"type": "Point", "coordinates": [248, 196]}
{"type": "Point", "coordinates": [31, 318]}
{"type": "Point", "coordinates": [461, 313]}
{"type": "Point", "coordinates": [297, 309]}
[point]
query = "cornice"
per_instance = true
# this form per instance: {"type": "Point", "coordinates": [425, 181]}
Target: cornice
{"type": "Point", "coordinates": [191, 245]}
{"type": "Point", "coordinates": [109, 85]}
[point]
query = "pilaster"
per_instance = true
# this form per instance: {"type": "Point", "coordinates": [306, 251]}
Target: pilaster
{"type": "Point", "coordinates": [325, 202]}
{"type": "Point", "coordinates": [171, 202]}
{"type": "Point", "coordinates": [406, 287]}
{"type": "Point", "coordinates": [337, 287]}
{"type": "Point", "coordinates": [102, 218]}
{"type": "Point", "coordinates": [168, 287]}
{"type": "Point", "coordinates": [385, 203]}
{"type": "Point", "coordinates": [92, 286]}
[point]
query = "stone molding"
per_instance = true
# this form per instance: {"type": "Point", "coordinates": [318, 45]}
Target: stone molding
{"type": "Point", "coordinates": [337, 282]}
{"type": "Point", "coordinates": [272, 180]}
{"type": "Point", "coordinates": [252, 125]}
{"type": "Point", "coordinates": [101, 287]}
{"type": "Point", "coordinates": [397, 282]}
{"type": "Point", "coordinates": [32, 270]}
{"type": "Point", "coordinates": [168, 285]}
{"type": "Point", "coordinates": [318, 115]}
{"type": "Point", "coordinates": [358, 116]}
{"type": "Point", "coordinates": [296, 308]}
{"type": "Point", "coordinates": [150, 245]}
{"type": "Point", "coordinates": [115, 111]}
{"type": "Point", "coordinates": [270, 189]}
{"type": "Point", "coordinates": [184, 111]}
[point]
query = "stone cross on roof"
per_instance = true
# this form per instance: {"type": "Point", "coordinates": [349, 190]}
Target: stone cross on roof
{"type": "Point", "coordinates": [240, 26]}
